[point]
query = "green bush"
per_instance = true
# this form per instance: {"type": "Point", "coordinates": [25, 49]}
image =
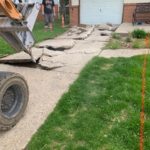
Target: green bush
{"type": "Point", "coordinates": [139, 33]}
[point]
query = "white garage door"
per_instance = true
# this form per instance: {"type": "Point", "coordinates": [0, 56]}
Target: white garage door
{"type": "Point", "coordinates": [101, 11]}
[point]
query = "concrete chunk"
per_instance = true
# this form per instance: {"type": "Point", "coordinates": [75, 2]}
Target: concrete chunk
{"type": "Point", "coordinates": [36, 53]}
{"type": "Point", "coordinates": [57, 44]}
{"type": "Point", "coordinates": [48, 64]}
{"type": "Point", "coordinates": [22, 57]}
{"type": "Point", "coordinates": [105, 33]}
{"type": "Point", "coordinates": [51, 53]}
{"type": "Point", "coordinates": [78, 33]}
{"type": "Point", "coordinates": [102, 27]}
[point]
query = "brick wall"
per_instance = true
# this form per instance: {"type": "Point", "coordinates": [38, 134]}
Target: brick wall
{"type": "Point", "coordinates": [74, 15]}
{"type": "Point", "coordinates": [128, 12]}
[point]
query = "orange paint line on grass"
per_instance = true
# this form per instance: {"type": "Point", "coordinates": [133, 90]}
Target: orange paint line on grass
{"type": "Point", "coordinates": [142, 113]}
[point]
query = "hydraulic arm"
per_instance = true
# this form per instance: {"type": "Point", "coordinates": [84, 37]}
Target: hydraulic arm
{"type": "Point", "coordinates": [17, 22]}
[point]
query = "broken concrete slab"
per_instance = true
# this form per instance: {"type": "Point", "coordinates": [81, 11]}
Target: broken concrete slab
{"type": "Point", "coordinates": [108, 27]}
{"type": "Point", "coordinates": [85, 34]}
{"type": "Point", "coordinates": [78, 33]}
{"type": "Point", "coordinates": [113, 28]}
{"type": "Point", "coordinates": [16, 58]}
{"type": "Point", "coordinates": [103, 27]}
{"type": "Point", "coordinates": [22, 57]}
{"type": "Point", "coordinates": [36, 53]}
{"type": "Point", "coordinates": [105, 33]}
{"type": "Point", "coordinates": [47, 63]}
{"type": "Point", "coordinates": [76, 30]}
{"type": "Point", "coordinates": [96, 36]}
{"type": "Point", "coordinates": [57, 44]}
{"type": "Point", "coordinates": [51, 53]}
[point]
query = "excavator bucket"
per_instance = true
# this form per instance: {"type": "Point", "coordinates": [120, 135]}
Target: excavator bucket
{"type": "Point", "coordinates": [9, 9]}
{"type": "Point", "coordinates": [17, 22]}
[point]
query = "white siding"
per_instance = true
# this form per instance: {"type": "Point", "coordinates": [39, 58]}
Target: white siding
{"type": "Point", "coordinates": [76, 2]}
{"type": "Point", "coordinates": [101, 11]}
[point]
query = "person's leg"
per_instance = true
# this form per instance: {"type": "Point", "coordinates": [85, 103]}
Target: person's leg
{"type": "Point", "coordinates": [51, 20]}
{"type": "Point", "coordinates": [46, 19]}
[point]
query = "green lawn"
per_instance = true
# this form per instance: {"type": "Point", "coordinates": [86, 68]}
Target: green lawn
{"type": "Point", "coordinates": [101, 110]}
{"type": "Point", "coordinates": [39, 33]}
{"type": "Point", "coordinates": [5, 49]}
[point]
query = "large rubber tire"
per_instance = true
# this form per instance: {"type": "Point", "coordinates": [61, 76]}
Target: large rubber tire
{"type": "Point", "coordinates": [14, 95]}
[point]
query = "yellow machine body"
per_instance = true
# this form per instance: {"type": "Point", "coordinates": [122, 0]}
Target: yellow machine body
{"type": "Point", "coordinates": [10, 10]}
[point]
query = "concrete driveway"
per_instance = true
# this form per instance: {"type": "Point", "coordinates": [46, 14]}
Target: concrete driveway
{"type": "Point", "coordinates": [47, 86]}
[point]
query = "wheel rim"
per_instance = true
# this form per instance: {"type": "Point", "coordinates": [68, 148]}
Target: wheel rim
{"type": "Point", "coordinates": [11, 102]}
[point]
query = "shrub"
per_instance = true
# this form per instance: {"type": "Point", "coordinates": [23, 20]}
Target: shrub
{"type": "Point", "coordinates": [139, 33]}
{"type": "Point", "coordinates": [116, 36]}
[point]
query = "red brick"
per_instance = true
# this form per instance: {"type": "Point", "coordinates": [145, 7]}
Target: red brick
{"type": "Point", "coordinates": [74, 15]}
{"type": "Point", "coordinates": [128, 12]}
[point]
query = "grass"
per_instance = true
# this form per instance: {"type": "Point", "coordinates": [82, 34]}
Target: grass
{"type": "Point", "coordinates": [116, 36]}
{"type": "Point", "coordinates": [138, 43]}
{"type": "Point", "coordinates": [5, 49]}
{"type": "Point", "coordinates": [101, 110]}
{"type": "Point", "coordinates": [113, 44]}
{"type": "Point", "coordinates": [39, 34]}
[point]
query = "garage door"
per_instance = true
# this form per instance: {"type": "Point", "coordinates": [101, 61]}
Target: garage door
{"type": "Point", "coordinates": [101, 11]}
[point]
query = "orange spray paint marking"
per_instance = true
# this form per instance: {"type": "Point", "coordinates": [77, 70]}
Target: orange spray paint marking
{"type": "Point", "coordinates": [142, 113]}
{"type": "Point", "coordinates": [147, 41]}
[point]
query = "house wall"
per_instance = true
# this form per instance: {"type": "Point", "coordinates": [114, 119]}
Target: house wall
{"type": "Point", "coordinates": [129, 7]}
{"type": "Point", "coordinates": [74, 12]}
{"type": "Point", "coordinates": [136, 1]}
{"type": "Point", "coordinates": [128, 12]}
{"type": "Point", "coordinates": [74, 15]}
{"type": "Point", "coordinates": [76, 2]}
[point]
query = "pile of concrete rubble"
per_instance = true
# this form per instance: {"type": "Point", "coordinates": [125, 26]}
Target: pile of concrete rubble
{"type": "Point", "coordinates": [45, 53]}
